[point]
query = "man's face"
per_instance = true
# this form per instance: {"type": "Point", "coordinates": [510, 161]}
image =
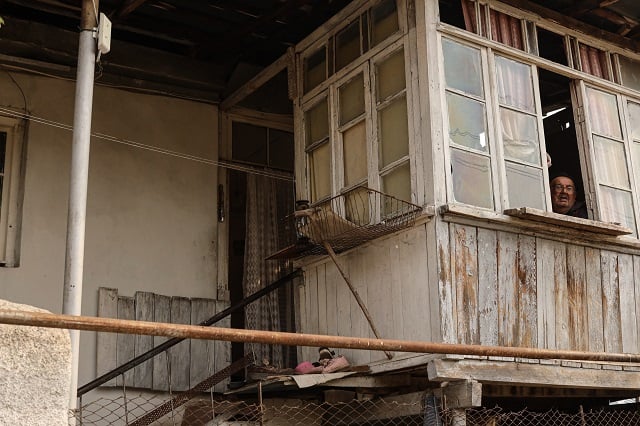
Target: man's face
{"type": "Point", "coordinates": [563, 194]}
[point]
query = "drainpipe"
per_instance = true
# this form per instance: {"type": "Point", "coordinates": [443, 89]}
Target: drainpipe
{"type": "Point", "coordinates": [74, 260]}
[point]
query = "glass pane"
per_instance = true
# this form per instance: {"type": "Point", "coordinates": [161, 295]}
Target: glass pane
{"type": "Point", "coordinates": [354, 145]}
{"type": "Point", "coordinates": [3, 151]}
{"type": "Point", "coordinates": [630, 71]}
{"type": "Point", "coordinates": [462, 68]}
{"type": "Point", "coordinates": [390, 75]}
{"type": "Point", "coordinates": [467, 122]}
{"type": "Point", "coordinates": [317, 123]}
{"type": "Point", "coordinates": [610, 162]}
{"type": "Point", "coordinates": [397, 183]}
{"type": "Point", "coordinates": [520, 136]}
{"type": "Point", "coordinates": [514, 84]}
{"type": "Point", "coordinates": [506, 29]}
{"type": "Point", "coordinates": [280, 149]}
{"type": "Point", "coordinates": [352, 99]}
{"type": "Point", "coordinates": [249, 143]}
{"type": "Point", "coordinates": [385, 21]}
{"type": "Point", "coordinates": [348, 45]}
{"type": "Point", "coordinates": [634, 114]}
{"type": "Point", "coordinates": [525, 185]}
{"type": "Point", "coordinates": [471, 178]}
{"type": "Point", "coordinates": [320, 166]}
{"type": "Point", "coordinates": [603, 113]}
{"type": "Point", "coordinates": [616, 207]}
{"type": "Point", "coordinates": [357, 206]}
{"type": "Point", "coordinates": [394, 132]}
{"type": "Point", "coordinates": [315, 69]}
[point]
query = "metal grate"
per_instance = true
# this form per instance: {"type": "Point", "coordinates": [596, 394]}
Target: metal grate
{"type": "Point", "coordinates": [348, 220]}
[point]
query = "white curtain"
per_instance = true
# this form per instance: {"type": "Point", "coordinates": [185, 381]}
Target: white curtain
{"type": "Point", "coordinates": [261, 241]}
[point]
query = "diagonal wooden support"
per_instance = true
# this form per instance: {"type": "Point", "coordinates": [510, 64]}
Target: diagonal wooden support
{"type": "Point", "coordinates": [182, 398]}
{"type": "Point", "coordinates": [363, 307]}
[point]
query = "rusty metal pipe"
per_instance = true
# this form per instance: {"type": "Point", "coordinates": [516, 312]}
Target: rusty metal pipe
{"type": "Point", "coordinates": [111, 325]}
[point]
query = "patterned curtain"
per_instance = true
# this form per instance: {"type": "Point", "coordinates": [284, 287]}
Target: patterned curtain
{"type": "Point", "coordinates": [264, 211]}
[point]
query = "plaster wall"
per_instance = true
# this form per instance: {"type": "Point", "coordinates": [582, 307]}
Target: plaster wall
{"type": "Point", "coordinates": [151, 217]}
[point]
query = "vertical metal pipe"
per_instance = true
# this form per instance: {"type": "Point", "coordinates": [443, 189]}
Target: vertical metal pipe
{"type": "Point", "coordinates": [74, 260]}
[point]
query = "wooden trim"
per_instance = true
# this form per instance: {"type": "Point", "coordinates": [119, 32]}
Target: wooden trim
{"type": "Point", "coordinates": [559, 231]}
{"type": "Point", "coordinates": [526, 374]}
{"type": "Point", "coordinates": [568, 221]}
{"type": "Point", "coordinates": [256, 82]}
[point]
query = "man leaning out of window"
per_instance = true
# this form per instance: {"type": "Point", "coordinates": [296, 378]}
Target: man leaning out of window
{"type": "Point", "coordinates": [563, 196]}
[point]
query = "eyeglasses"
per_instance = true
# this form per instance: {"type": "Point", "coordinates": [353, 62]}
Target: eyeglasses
{"type": "Point", "coordinates": [569, 189]}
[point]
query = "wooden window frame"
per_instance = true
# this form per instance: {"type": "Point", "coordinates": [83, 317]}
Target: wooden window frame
{"type": "Point", "coordinates": [495, 143]}
{"type": "Point", "coordinates": [331, 93]}
{"type": "Point", "coordinates": [572, 71]}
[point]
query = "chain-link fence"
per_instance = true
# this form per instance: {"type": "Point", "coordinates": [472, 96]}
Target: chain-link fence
{"type": "Point", "coordinates": [212, 410]}
{"type": "Point", "coordinates": [424, 410]}
{"type": "Point", "coordinates": [500, 417]}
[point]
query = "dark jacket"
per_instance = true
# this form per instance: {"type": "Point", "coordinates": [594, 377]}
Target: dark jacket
{"type": "Point", "coordinates": [579, 209]}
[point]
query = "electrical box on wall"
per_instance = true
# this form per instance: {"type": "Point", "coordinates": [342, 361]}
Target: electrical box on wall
{"type": "Point", "coordinates": [104, 34]}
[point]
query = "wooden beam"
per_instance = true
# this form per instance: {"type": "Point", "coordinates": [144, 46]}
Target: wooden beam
{"type": "Point", "coordinates": [570, 22]}
{"type": "Point", "coordinates": [127, 7]}
{"type": "Point", "coordinates": [256, 82]}
{"type": "Point", "coordinates": [522, 374]}
{"type": "Point", "coordinates": [498, 391]}
{"type": "Point", "coordinates": [390, 381]}
{"type": "Point", "coordinates": [463, 394]}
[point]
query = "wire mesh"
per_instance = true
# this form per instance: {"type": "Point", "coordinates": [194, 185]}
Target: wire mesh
{"type": "Point", "coordinates": [500, 417]}
{"type": "Point", "coordinates": [220, 410]}
{"type": "Point", "coordinates": [346, 221]}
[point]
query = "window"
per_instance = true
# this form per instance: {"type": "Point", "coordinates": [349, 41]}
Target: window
{"type": "Point", "coordinates": [494, 137]}
{"type": "Point", "coordinates": [262, 146]}
{"type": "Point", "coordinates": [368, 144]}
{"type": "Point", "coordinates": [10, 190]}
{"type": "Point", "coordinates": [614, 141]}
{"type": "Point", "coordinates": [502, 114]}
{"type": "Point", "coordinates": [366, 31]}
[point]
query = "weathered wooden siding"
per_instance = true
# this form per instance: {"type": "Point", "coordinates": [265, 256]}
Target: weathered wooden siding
{"type": "Point", "coordinates": [520, 290]}
{"type": "Point", "coordinates": [391, 276]}
{"type": "Point", "coordinates": [181, 367]}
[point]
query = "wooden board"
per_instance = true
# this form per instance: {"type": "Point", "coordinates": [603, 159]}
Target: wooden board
{"type": "Point", "coordinates": [222, 350]}
{"type": "Point", "coordinates": [161, 313]}
{"type": "Point", "coordinates": [202, 355]}
{"type": "Point", "coordinates": [125, 342]}
{"type": "Point", "coordinates": [611, 302]}
{"type": "Point", "coordinates": [487, 287]}
{"type": "Point", "coordinates": [513, 373]}
{"type": "Point", "coordinates": [578, 321]}
{"type": "Point", "coordinates": [143, 373]}
{"type": "Point", "coordinates": [628, 315]}
{"type": "Point", "coordinates": [593, 277]}
{"type": "Point", "coordinates": [546, 317]}
{"type": "Point", "coordinates": [527, 292]}
{"type": "Point", "coordinates": [568, 221]}
{"type": "Point", "coordinates": [507, 295]}
{"type": "Point", "coordinates": [464, 252]}
{"type": "Point", "coordinates": [106, 343]}
{"type": "Point", "coordinates": [179, 355]}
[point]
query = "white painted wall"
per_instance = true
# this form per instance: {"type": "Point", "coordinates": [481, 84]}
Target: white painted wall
{"type": "Point", "coordinates": [151, 218]}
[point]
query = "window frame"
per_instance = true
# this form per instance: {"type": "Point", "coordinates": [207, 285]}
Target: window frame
{"type": "Point", "coordinates": [329, 89]}
{"type": "Point", "coordinates": [495, 153]}
{"type": "Point", "coordinates": [336, 130]}
{"type": "Point", "coordinates": [587, 148]}
{"type": "Point", "coordinates": [572, 70]}
{"type": "Point", "coordinates": [12, 191]}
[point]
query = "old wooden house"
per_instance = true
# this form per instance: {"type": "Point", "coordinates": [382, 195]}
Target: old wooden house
{"type": "Point", "coordinates": [398, 153]}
